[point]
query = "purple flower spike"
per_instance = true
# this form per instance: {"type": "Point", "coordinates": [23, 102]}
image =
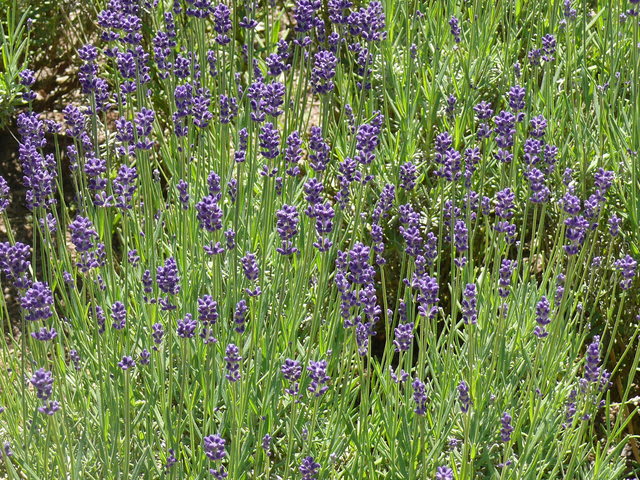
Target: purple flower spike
{"type": "Point", "coordinates": [404, 337]}
{"type": "Point", "coordinates": [207, 310]}
{"type": "Point", "coordinates": [454, 23]}
{"type": "Point", "coordinates": [158, 334]}
{"type": "Point", "coordinates": [470, 304]}
{"type": "Point", "coordinates": [37, 302]}
{"type": "Point", "coordinates": [318, 373]}
{"type": "Point", "coordinates": [45, 334]}
{"type": "Point", "coordinates": [240, 316]}
{"type": "Point", "coordinates": [266, 444]}
{"type": "Point", "coordinates": [309, 469]}
{"type": "Point", "coordinates": [4, 194]}
{"type": "Point", "coordinates": [420, 396]}
{"type": "Point", "coordinates": [614, 225]}
{"type": "Point", "coordinates": [516, 97]}
{"type": "Point", "coordinates": [444, 473]}
{"type": "Point", "coordinates": [291, 371]}
{"type": "Point", "coordinates": [27, 77]}
{"type": "Point", "coordinates": [408, 175]}
{"type": "Point", "coordinates": [144, 357]}
{"type": "Point", "coordinates": [287, 228]}
{"type": "Point", "coordinates": [269, 141]}
{"type": "Point", "coordinates": [209, 213]}
{"type": "Point", "coordinates": [506, 271]}
{"type": "Point", "coordinates": [233, 360]}
{"type": "Point", "coordinates": [251, 271]}
{"type": "Point", "coordinates": [119, 316]}
{"type": "Point", "coordinates": [186, 326]}
{"type": "Point", "coordinates": [507, 428]}
{"type": "Point", "coordinates": [42, 381]}
{"type": "Point", "coordinates": [222, 23]}
{"type": "Point", "coordinates": [293, 153]}
{"type": "Point", "coordinates": [627, 267]}
{"type": "Point", "coordinates": [214, 447]}
{"type": "Point", "coordinates": [167, 277]}
{"type": "Point", "coordinates": [592, 365]}
{"type": "Point", "coordinates": [463, 396]}
{"type": "Point", "coordinates": [324, 69]}
{"type": "Point", "coordinates": [461, 236]}
{"type": "Point", "coordinates": [543, 308]}
{"type": "Point", "coordinates": [126, 363]}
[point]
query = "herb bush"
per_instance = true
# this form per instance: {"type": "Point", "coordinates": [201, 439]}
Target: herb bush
{"type": "Point", "coordinates": [330, 239]}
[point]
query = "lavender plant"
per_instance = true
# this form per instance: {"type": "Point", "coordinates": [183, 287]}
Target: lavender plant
{"type": "Point", "coordinates": [307, 244]}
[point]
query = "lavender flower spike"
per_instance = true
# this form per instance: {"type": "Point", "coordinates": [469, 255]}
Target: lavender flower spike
{"type": "Point", "coordinates": [420, 396]}
{"type": "Point", "coordinates": [309, 469]}
{"type": "Point", "coordinates": [507, 428]}
{"type": "Point", "coordinates": [465, 399]}
{"type": "Point", "coordinates": [444, 473]}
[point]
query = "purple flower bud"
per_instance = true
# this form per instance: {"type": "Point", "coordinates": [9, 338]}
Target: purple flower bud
{"type": "Point", "coordinates": [463, 397]}
{"type": "Point", "coordinates": [183, 189]}
{"type": "Point", "coordinates": [483, 110]}
{"type": "Point", "coordinates": [27, 77]}
{"type": "Point", "coordinates": [543, 308]}
{"type": "Point", "coordinates": [269, 141]}
{"type": "Point", "coordinates": [470, 304]}
{"type": "Point", "coordinates": [549, 47]}
{"type": "Point", "coordinates": [454, 23]}
{"type": "Point", "coordinates": [232, 360]}
{"type": "Point", "coordinates": [614, 225]}
{"type": "Point", "coordinates": [291, 371]}
{"type": "Point", "coordinates": [592, 364]}
{"type": "Point", "coordinates": [444, 473]}
{"type": "Point", "coordinates": [209, 213]}
{"type": "Point", "coordinates": [251, 271]}
{"type": "Point", "coordinates": [293, 153]}
{"type": "Point", "coordinates": [506, 271]}
{"type": "Point", "coordinates": [214, 447]}
{"type": "Point", "coordinates": [507, 428]}
{"type": "Point", "coordinates": [408, 175]}
{"type": "Point", "coordinates": [158, 334]}
{"type": "Point", "coordinates": [144, 357]}
{"type": "Point", "coordinates": [324, 69]}
{"type": "Point", "coordinates": [50, 407]}
{"type": "Point", "coordinates": [186, 326]}
{"type": "Point", "coordinates": [309, 469]}
{"type": "Point", "coordinates": [287, 228]}
{"type": "Point", "coordinates": [82, 234]}
{"type": "Point", "coordinates": [419, 396]}
{"type": "Point", "coordinates": [167, 277]}
{"type": "Point", "coordinates": [319, 150]}
{"type": "Point", "coordinates": [119, 315]}
{"type": "Point", "coordinates": [240, 316]}
{"type": "Point", "coordinates": [461, 236]}
{"type": "Point", "coordinates": [266, 444]}
{"type": "Point", "coordinates": [398, 379]}
{"type": "Point", "coordinates": [37, 302]}
{"type": "Point", "coordinates": [304, 15]}
{"type": "Point", "coordinates": [133, 258]}
{"type": "Point", "coordinates": [230, 236]}
{"type": "Point", "coordinates": [42, 381]}
{"type": "Point", "coordinates": [318, 373]}
{"type": "Point", "coordinates": [404, 337]}
{"type": "Point", "coordinates": [207, 310]}
{"type": "Point", "coordinates": [516, 97]}
{"type": "Point", "coordinates": [627, 267]}
{"type": "Point", "coordinates": [126, 363]}
{"type": "Point", "coordinates": [250, 267]}
{"type": "Point", "coordinates": [368, 22]}
{"type": "Point", "coordinates": [5, 193]}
